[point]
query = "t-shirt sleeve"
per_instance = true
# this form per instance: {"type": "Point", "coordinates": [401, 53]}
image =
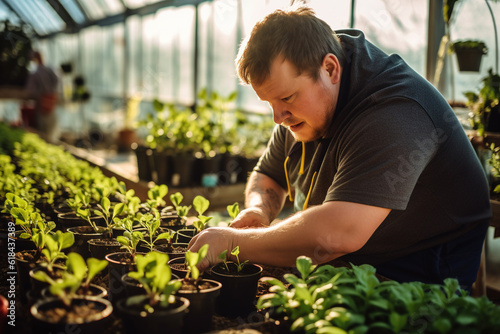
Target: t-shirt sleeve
{"type": "Point", "coordinates": [272, 160]}
{"type": "Point", "coordinates": [382, 158]}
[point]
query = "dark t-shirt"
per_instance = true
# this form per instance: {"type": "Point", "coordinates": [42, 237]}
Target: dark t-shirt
{"type": "Point", "coordinates": [395, 143]}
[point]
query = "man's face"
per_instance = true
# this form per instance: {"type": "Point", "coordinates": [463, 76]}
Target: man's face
{"type": "Point", "coordinates": [298, 102]}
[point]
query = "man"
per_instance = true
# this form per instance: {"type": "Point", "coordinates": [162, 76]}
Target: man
{"type": "Point", "coordinates": [372, 154]}
{"type": "Point", "coordinates": [42, 87]}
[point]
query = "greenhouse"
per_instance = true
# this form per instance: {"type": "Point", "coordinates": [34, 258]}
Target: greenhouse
{"type": "Point", "coordinates": [249, 166]}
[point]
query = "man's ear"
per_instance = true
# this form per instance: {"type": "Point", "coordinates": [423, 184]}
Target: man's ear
{"type": "Point", "coordinates": [332, 66]}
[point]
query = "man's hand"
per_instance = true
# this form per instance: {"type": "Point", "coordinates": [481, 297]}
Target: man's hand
{"type": "Point", "coordinates": [219, 239]}
{"type": "Point", "coordinates": [250, 218]}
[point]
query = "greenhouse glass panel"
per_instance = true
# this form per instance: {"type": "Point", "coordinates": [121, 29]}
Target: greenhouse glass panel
{"type": "Point", "coordinates": [138, 3]}
{"type": "Point", "coordinates": [134, 47]}
{"type": "Point", "coordinates": [7, 14]}
{"type": "Point", "coordinates": [396, 27]}
{"type": "Point", "coordinates": [40, 15]}
{"type": "Point", "coordinates": [73, 10]}
{"type": "Point", "coordinates": [93, 8]}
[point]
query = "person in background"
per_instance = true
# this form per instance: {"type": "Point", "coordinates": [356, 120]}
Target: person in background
{"type": "Point", "coordinates": [377, 165]}
{"type": "Point", "coordinates": [42, 87]}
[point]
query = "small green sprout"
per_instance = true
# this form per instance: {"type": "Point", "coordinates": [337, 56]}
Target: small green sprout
{"type": "Point", "coordinates": [176, 199]}
{"type": "Point", "coordinates": [201, 205]}
{"type": "Point", "coordinates": [235, 252]}
{"type": "Point", "coordinates": [193, 259]}
{"type": "Point", "coordinates": [156, 278]}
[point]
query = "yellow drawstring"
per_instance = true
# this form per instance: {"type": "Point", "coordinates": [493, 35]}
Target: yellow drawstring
{"type": "Point", "coordinates": [301, 171]}
{"type": "Point", "coordinates": [288, 181]}
{"type": "Point", "coordinates": [309, 192]}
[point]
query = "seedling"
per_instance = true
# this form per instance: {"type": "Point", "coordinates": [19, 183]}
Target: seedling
{"type": "Point", "coordinates": [176, 199]}
{"type": "Point", "coordinates": [54, 244]}
{"type": "Point", "coordinates": [29, 219]}
{"type": "Point", "coordinates": [155, 276]}
{"type": "Point", "coordinates": [109, 217]}
{"type": "Point", "coordinates": [130, 238]}
{"type": "Point", "coordinates": [152, 223]}
{"type": "Point", "coordinates": [223, 257]}
{"type": "Point", "coordinates": [201, 205]}
{"type": "Point", "coordinates": [77, 276]}
{"type": "Point", "coordinates": [155, 197]}
{"type": "Point", "coordinates": [235, 252]}
{"type": "Point", "coordinates": [233, 210]}
{"type": "Point", "coordinates": [192, 260]}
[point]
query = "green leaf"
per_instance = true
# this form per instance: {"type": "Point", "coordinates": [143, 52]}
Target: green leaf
{"type": "Point", "coordinates": [223, 255]}
{"type": "Point", "coordinates": [398, 321]}
{"type": "Point", "coordinates": [233, 210]}
{"type": "Point", "coordinates": [95, 266]}
{"type": "Point", "coordinates": [200, 204]}
{"type": "Point", "coordinates": [76, 265]}
{"type": "Point", "coordinates": [305, 266]}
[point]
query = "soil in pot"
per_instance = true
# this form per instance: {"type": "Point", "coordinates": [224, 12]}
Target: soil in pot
{"type": "Point", "coordinates": [239, 289]}
{"type": "Point", "coordinates": [82, 235]}
{"type": "Point", "coordinates": [202, 296]}
{"type": "Point", "coordinates": [87, 315]}
{"type": "Point", "coordinates": [136, 320]}
{"type": "Point", "coordinates": [99, 248]}
{"type": "Point", "coordinates": [173, 250]}
{"type": "Point", "coordinates": [178, 266]}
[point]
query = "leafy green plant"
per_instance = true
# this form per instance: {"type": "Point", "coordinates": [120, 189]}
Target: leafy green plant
{"type": "Point", "coordinates": [155, 276]}
{"type": "Point", "coordinates": [233, 210]}
{"type": "Point", "coordinates": [29, 219]}
{"type": "Point", "coordinates": [54, 244]}
{"type": "Point", "coordinates": [109, 214]}
{"type": "Point", "coordinates": [469, 44]}
{"type": "Point", "coordinates": [235, 252]}
{"type": "Point", "coordinates": [192, 260]}
{"type": "Point", "coordinates": [75, 280]}
{"type": "Point", "coordinates": [481, 104]}
{"type": "Point", "coordinates": [155, 197]}
{"type": "Point", "coordinates": [182, 211]}
{"type": "Point", "coordinates": [201, 205]}
{"type": "Point", "coordinates": [130, 238]}
{"type": "Point", "coordinates": [151, 222]}
{"type": "Point", "coordinates": [325, 299]}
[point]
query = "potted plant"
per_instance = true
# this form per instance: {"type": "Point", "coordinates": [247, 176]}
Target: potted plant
{"type": "Point", "coordinates": [202, 294]}
{"type": "Point", "coordinates": [52, 254]}
{"type": "Point", "coordinates": [157, 309]}
{"type": "Point", "coordinates": [484, 105]}
{"type": "Point", "coordinates": [200, 204]}
{"type": "Point", "coordinates": [327, 299]}
{"type": "Point", "coordinates": [469, 54]}
{"type": "Point", "coordinates": [239, 280]}
{"type": "Point", "coordinates": [71, 309]}
{"type": "Point", "coordinates": [76, 279]}
{"type": "Point", "coordinates": [122, 262]}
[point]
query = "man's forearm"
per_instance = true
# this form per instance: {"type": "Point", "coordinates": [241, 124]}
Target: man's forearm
{"type": "Point", "coordinates": [264, 193]}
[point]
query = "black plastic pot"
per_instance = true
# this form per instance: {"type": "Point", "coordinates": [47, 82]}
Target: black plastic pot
{"type": "Point", "coordinates": [177, 268]}
{"type": "Point", "coordinates": [23, 272]}
{"type": "Point", "coordinates": [182, 170]}
{"type": "Point", "coordinates": [469, 59]}
{"type": "Point", "coordinates": [174, 250]}
{"type": "Point", "coordinates": [239, 290]}
{"type": "Point", "coordinates": [119, 264]}
{"type": "Point", "coordinates": [162, 320]}
{"type": "Point", "coordinates": [247, 166]}
{"type": "Point", "coordinates": [95, 323]}
{"type": "Point", "coordinates": [171, 220]}
{"type": "Point", "coordinates": [185, 235]}
{"type": "Point", "coordinates": [201, 306]}
{"type": "Point", "coordinates": [94, 291]}
{"type": "Point", "coordinates": [82, 235]}
{"type": "Point", "coordinates": [70, 219]}
{"type": "Point", "coordinates": [163, 167]}
{"type": "Point", "coordinates": [145, 164]}
{"type": "Point", "coordinates": [230, 169]}
{"type": "Point", "coordinates": [99, 248]}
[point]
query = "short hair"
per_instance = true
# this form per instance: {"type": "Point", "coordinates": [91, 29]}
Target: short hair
{"type": "Point", "coordinates": [297, 35]}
